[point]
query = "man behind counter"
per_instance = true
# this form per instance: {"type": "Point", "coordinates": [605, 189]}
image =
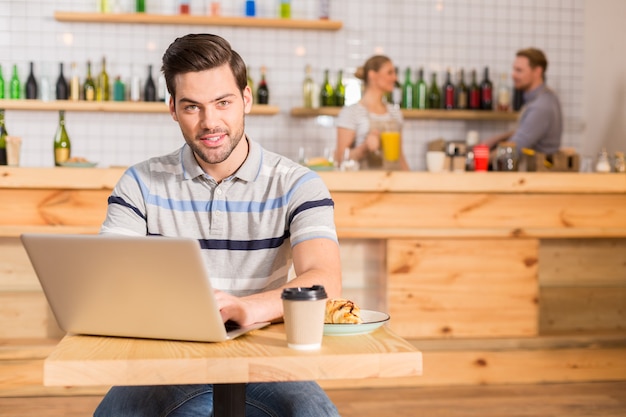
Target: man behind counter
{"type": "Point", "coordinates": [540, 124]}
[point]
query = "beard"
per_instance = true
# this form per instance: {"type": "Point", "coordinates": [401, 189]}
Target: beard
{"type": "Point", "coordinates": [216, 155]}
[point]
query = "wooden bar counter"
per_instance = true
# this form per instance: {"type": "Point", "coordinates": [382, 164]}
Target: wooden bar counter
{"type": "Point", "coordinates": [466, 256]}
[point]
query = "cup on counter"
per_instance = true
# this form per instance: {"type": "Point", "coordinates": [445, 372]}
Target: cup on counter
{"type": "Point", "coordinates": [304, 309]}
{"type": "Point", "coordinates": [481, 157]}
{"type": "Point", "coordinates": [390, 142]}
{"type": "Point", "coordinates": [14, 146]}
{"type": "Point", "coordinates": [435, 161]}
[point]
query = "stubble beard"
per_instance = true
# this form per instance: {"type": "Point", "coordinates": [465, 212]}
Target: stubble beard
{"type": "Point", "coordinates": [218, 155]}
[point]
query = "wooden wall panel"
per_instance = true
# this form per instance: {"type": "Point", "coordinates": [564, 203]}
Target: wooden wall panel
{"type": "Point", "coordinates": [26, 314]}
{"type": "Point", "coordinates": [16, 271]}
{"type": "Point", "coordinates": [462, 288]}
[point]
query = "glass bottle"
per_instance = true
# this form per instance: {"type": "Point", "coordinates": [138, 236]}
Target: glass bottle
{"type": "Point", "coordinates": [326, 92]}
{"type": "Point", "coordinates": [140, 6]}
{"type": "Point", "coordinates": [474, 93]}
{"type": "Point", "coordinates": [62, 89]}
{"type": "Point", "coordinates": [285, 9]}
{"type": "Point", "coordinates": [602, 164]}
{"type": "Point", "coordinates": [149, 89]}
{"type": "Point", "coordinates": [619, 163]}
{"type": "Point", "coordinates": [102, 87]}
{"type": "Point", "coordinates": [504, 93]}
{"type": "Point", "coordinates": [89, 86]}
{"type": "Point", "coordinates": [396, 94]}
{"type": "Point", "coordinates": [340, 91]}
{"type": "Point", "coordinates": [263, 92]}
{"type": "Point", "coordinates": [74, 84]}
{"type": "Point", "coordinates": [119, 89]}
{"type": "Point", "coordinates": [448, 92]}
{"type": "Point", "coordinates": [308, 88]}
{"type": "Point", "coordinates": [1, 84]}
{"type": "Point", "coordinates": [434, 95]}
{"type": "Point", "coordinates": [407, 91]}
{"type": "Point", "coordinates": [486, 92]}
{"type": "Point", "coordinates": [506, 157]}
{"type": "Point", "coordinates": [62, 145]}
{"type": "Point", "coordinates": [421, 91]}
{"type": "Point", "coordinates": [462, 92]}
{"type": "Point", "coordinates": [3, 141]}
{"type": "Point", "coordinates": [250, 8]}
{"type": "Point", "coordinates": [250, 81]}
{"type": "Point", "coordinates": [31, 83]}
{"type": "Point", "coordinates": [45, 90]}
{"type": "Point", "coordinates": [16, 85]}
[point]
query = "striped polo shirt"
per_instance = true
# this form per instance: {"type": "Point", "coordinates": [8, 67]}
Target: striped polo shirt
{"type": "Point", "coordinates": [246, 225]}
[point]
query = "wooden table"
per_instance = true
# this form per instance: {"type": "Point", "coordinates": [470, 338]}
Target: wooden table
{"type": "Point", "coordinates": [260, 356]}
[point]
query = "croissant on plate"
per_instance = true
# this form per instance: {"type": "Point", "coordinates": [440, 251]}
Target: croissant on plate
{"type": "Point", "coordinates": [340, 310]}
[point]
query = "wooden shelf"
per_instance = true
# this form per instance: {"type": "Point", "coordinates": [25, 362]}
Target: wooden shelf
{"type": "Point", "coordinates": [419, 114]}
{"type": "Point", "coordinates": [162, 19]}
{"type": "Point", "coordinates": [108, 106]}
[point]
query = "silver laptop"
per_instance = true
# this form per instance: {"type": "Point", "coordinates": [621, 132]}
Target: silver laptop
{"type": "Point", "coordinates": [147, 287]}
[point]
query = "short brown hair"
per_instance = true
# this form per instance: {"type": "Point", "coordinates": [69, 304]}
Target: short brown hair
{"type": "Point", "coordinates": [536, 58]}
{"type": "Point", "coordinates": [372, 64]}
{"type": "Point", "coordinates": [201, 52]}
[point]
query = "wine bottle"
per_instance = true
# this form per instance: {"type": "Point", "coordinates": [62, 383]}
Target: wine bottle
{"type": "Point", "coordinates": [308, 88]}
{"type": "Point", "coordinates": [62, 145]}
{"type": "Point", "coordinates": [149, 89]}
{"type": "Point", "coordinates": [89, 86]}
{"type": "Point", "coordinates": [461, 92]}
{"type": "Point", "coordinates": [250, 81]}
{"type": "Point", "coordinates": [340, 91]}
{"type": "Point", "coordinates": [1, 84]}
{"type": "Point", "coordinates": [518, 99]}
{"type": "Point", "coordinates": [74, 84]}
{"type": "Point", "coordinates": [504, 94]}
{"type": "Point", "coordinates": [262, 92]}
{"type": "Point", "coordinates": [421, 91]}
{"type": "Point", "coordinates": [486, 92]}
{"type": "Point", "coordinates": [285, 9]}
{"type": "Point", "coordinates": [326, 92]}
{"type": "Point", "coordinates": [474, 93]}
{"type": "Point", "coordinates": [16, 85]}
{"type": "Point", "coordinates": [3, 139]}
{"type": "Point", "coordinates": [140, 6]}
{"type": "Point", "coordinates": [31, 83]}
{"type": "Point", "coordinates": [119, 89]}
{"type": "Point", "coordinates": [102, 87]}
{"type": "Point", "coordinates": [396, 94]}
{"type": "Point", "coordinates": [434, 95]}
{"type": "Point", "coordinates": [448, 92]}
{"type": "Point", "coordinates": [45, 87]}
{"type": "Point", "coordinates": [104, 6]}
{"type": "Point", "coordinates": [62, 89]}
{"type": "Point", "coordinates": [407, 90]}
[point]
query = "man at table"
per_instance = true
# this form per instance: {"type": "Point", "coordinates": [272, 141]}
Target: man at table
{"type": "Point", "coordinates": [540, 125]}
{"type": "Point", "coordinates": [253, 212]}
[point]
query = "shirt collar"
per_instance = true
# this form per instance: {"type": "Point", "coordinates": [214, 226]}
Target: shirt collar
{"type": "Point", "coordinates": [533, 94]}
{"type": "Point", "coordinates": [248, 171]}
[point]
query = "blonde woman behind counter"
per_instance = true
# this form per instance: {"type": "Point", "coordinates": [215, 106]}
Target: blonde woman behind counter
{"type": "Point", "coordinates": [360, 125]}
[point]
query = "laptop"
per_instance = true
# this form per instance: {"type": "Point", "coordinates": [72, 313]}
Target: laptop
{"type": "Point", "coordinates": [144, 287]}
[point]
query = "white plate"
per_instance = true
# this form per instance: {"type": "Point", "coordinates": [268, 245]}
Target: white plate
{"type": "Point", "coordinates": [372, 320]}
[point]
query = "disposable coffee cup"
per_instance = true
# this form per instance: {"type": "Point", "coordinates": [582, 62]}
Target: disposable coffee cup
{"type": "Point", "coordinates": [304, 309]}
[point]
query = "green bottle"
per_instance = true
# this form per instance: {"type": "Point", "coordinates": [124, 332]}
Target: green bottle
{"type": "Point", "coordinates": [62, 145]}
{"type": "Point", "coordinates": [340, 91]}
{"type": "Point", "coordinates": [3, 140]}
{"type": "Point", "coordinates": [1, 84]}
{"type": "Point", "coordinates": [103, 89]}
{"type": "Point", "coordinates": [16, 86]}
{"type": "Point", "coordinates": [327, 94]}
{"type": "Point", "coordinates": [434, 95]}
{"type": "Point", "coordinates": [250, 81]}
{"type": "Point", "coordinates": [89, 86]}
{"type": "Point", "coordinates": [407, 91]}
{"type": "Point", "coordinates": [140, 6]}
{"type": "Point", "coordinates": [420, 92]}
{"type": "Point", "coordinates": [119, 89]}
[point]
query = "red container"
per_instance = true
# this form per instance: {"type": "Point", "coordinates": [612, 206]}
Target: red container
{"type": "Point", "coordinates": [481, 157]}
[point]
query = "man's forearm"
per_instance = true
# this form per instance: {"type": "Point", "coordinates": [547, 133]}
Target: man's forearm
{"type": "Point", "coordinates": [494, 140]}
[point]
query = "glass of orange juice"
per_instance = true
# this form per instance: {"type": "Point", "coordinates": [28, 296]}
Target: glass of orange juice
{"type": "Point", "coordinates": [390, 142]}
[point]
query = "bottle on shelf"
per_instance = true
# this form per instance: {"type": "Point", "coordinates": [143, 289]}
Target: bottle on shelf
{"type": "Point", "coordinates": [326, 92]}
{"type": "Point", "coordinates": [250, 82]}
{"type": "Point", "coordinates": [250, 8]}
{"type": "Point", "coordinates": [486, 92]}
{"type": "Point", "coordinates": [184, 7]}
{"type": "Point", "coordinates": [45, 87]}
{"type": "Point", "coordinates": [140, 6]}
{"type": "Point", "coordinates": [421, 91]}
{"type": "Point", "coordinates": [119, 89]}
{"type": "Point", "coordinates": [149, 89]}
{"type": "Point", "coordinates": [74, 84]}
{"type": "Point", "coordinates": [407, 90]}
{"type": "Point", "coordinates": [1, 84]}
{"type": "Point", "coordinates": [31, 83]}
{"type": "Point", "coordinates": [62, 88]}
{"type": "Point", "coordinates": [518, 99]}
{"type": "Point", "coordinates": [474, 93]}
{"type": "Point", "coordinates": [308, 88]}
{"type": "Point", "coordinates": [62, 145]}
{"type": "Point", "coordinates": [263, 92]}
{"type": "Point", "coordinates": [285, 9]}
{"type": "Point", "coordinates": [103, 88]}
{"type": "Point", "coordinates": [396, 94]}
{"type": "Point", "coordinates": [340, 91]}
{"type": "Point", "coordinates": [15, 88]}
{"type": "Point", "coordinates": [448, 92]}
{"type": "Point", "coordinates": [89, 86]}
{"type": "Point", "coordinates": [504, 94]}
{"type": "Point", "coordinates": [461, 92]}
{"type": "Point", "coordinates": [324, 9]}
{"type": "Point", "coordinates": [3, 140]}
{"type": "Point", "coordinates": [434, 95]}
{"type": "Point", "coordinates": [104, 6]}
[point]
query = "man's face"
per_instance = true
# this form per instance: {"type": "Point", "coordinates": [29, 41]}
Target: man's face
{"type": "Point", "coordinates": [524, 76]}
{"type": "Point", "coordinates": [210, 109]}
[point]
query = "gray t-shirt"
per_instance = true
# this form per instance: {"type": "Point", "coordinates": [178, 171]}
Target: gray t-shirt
{"type": "Point", "coordinates": [540, 125]}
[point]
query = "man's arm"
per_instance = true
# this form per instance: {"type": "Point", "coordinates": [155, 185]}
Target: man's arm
{"type": "Point", "coordinates": [316, 262]}
{"type": "Point", "coordinates": [494, 140]}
